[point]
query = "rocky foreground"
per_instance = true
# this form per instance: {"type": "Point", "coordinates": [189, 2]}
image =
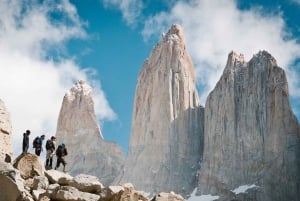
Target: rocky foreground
{"type": "Point", "coordinates": [39, 184]}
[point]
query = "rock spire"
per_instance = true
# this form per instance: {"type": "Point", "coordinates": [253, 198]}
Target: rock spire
{"type": "Point", "coordinates": [78, 128]}
{"type": "Point", "coordinates": [166, 141]}
{"type": "Point", "coordinates": [251, 134]}
{"type": "Point", "coordinates": [6, 149]}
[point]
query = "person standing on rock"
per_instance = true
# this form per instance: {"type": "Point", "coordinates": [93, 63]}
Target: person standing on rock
{"type": "Point", "coordinates": [50, 148]}
{"type": "Point", "coordinates": [37, 144]}
{"type": "Point", "coordinates": [26, 141]}
{"type": "Point", "coordinates": [61, 152]}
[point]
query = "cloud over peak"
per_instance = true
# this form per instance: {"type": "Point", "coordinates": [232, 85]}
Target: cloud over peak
{"type": "Point", "coordinates": [130, 9]}
{"type": "Point", "coordinates": [213, 28]}
{"type": "Point", "coordinates": [32, 86]}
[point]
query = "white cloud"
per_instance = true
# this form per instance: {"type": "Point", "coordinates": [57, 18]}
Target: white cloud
{"type": "Point", "coordinates": [31, 86]}
{"type": "Point", "coordinates": [131, 9]}
{"type": "Point", "coordinates": [215, 27]}
{"type": "Point", "coordinates": [296, 1]}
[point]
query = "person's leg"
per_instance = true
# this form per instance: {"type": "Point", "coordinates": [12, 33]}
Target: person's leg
{"type": "Point", "coordinates": [58, 163]}
{"type": "Point", "coordinates": [50, 162]}
{"type": "Point", "coordinates": [64, 163]}
{"type": "Point", "coordinates": [48, 157]}
{"type": "Point", "coordinates": [39, 151]}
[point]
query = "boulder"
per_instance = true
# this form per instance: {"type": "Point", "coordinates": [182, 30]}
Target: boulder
{"type": "Point", "coordinates": [167, 197]}
{"type": "Point", "coordinates": [61, 178]}
{"type": "Point", "coordinates": [38, 194]}
{"type": "Point", "coordinates": [52, 190]}
{"type": "Point", "coordinates": [86, 183]}
{"type": "Point", "coordinates": [28, 184]}
{"type": "Point", "coordinates": [68, 193]}
{"type": "Point", "coordinates": [29, 165]}
{"type": "Point", "coordinates": [40, 182]}
{"type": "Point", "coordinates": [12, 187]}
{"type": "Point", "coordinates": [125, 192]}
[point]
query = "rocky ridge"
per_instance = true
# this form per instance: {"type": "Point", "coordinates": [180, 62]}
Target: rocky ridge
{"type": "Point", "coordinates": [166, 141]}
{"type": "Point", "coordinates": [53, 185]}
{"type": "Point", "coordinates": [78, 128]}
{"type": "Point", "coordinates": [6, 149]}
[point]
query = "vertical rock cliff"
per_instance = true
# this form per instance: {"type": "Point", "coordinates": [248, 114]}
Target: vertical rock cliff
{"type": "Point", "coordinates": [251, 134]}
{"type": "Point", "coordinates": [78, 128]}
{"type": "Point", "coordinates": [166, 141]}
{"type": "Point", "coordinates": [6, 149]}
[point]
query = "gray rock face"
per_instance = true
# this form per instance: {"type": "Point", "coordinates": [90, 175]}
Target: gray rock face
{"type": "Point", "coordinates": [6, 148]}
{"type": "Point", "coordinates": [11, 183]}
{"type": "Point", "coordinates": [166, 141]}
{"type": "Point", "coordinates": [78, 128]}
{"type": "Point", "coordinates": [251, 134]}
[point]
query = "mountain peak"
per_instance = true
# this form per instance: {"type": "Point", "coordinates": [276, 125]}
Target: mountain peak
{"type": "Point", "coordinates": [263, 55]}
{"type": "Point", "coordinates": [175, 33]}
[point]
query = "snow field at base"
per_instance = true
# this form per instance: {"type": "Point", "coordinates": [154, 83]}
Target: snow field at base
{"type": "Point", "coordinates": [208, 197]}
{"type": "Point", "coordinates": [243, 189]}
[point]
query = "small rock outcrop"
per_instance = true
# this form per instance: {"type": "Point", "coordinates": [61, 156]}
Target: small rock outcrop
{"type": "Point", "coordinates": [251, 134]}
{"type": "Point", "coordinates": [78, 128]}
{"type": "Point", "coordinates": [166, 141]}
{"type": "Point", "coordinates": [58, 177]}
{"type": "Point", "coordinates": [29, 165]}
{"type": "Point", "coordinates": [87, 183]}
{"type": "Point", "coordinates": [6, 149]}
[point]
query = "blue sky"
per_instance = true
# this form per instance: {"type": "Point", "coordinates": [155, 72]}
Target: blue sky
{"type": "Point", "coordinates": [46, 45]}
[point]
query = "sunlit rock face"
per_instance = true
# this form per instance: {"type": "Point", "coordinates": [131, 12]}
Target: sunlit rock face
{"type": "Point", "coordinates": [6, 148]}
{"type": "Point", "coordinates": [78, 128]}
{"type": "Point", "coordinates": [166, 141]}
{"type": "Point", "coordinates": [251, 134]}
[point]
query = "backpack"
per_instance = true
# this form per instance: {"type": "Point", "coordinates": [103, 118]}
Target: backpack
{"type": "Point", "coordinates": [59, 151]}
{"type": "Point", "coordinates": [49, 145]}
{"type": "Point", "coordinates": [36, 142]}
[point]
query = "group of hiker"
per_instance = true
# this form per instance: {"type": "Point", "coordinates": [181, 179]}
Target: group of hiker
{"type": "Point", "coordinates": [51, 150]}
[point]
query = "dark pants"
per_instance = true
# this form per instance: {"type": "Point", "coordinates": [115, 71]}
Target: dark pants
{"type": "Point", "coordinates": [38, 151]}
{"type": "Point", "coordinates": [49, 162]}
{"type": "Point", "coordinates": [25, 148]}
{"type": "Point", "coordinates": [59, 161]}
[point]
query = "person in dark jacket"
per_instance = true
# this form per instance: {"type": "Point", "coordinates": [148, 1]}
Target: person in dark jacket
{"type": "Point", "coordinates": [37, 144]}
{"type": "Point", "coordinates": [26, 141]}
{"type": "Point", "coordinates": [61, 152]}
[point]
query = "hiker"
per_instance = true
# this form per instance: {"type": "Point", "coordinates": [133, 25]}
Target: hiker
{"type": "Point", "coordinates": [26, 141]}
{"type": "Point", "coordinates": [50, 148]}
{"type": "Point", "coordinates": [61, 152]}
{"type": "Point", "coordinates": [37, 144]}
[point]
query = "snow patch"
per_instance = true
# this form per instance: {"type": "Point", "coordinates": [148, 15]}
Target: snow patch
{"type": "Point", "coordinates": [201, 197]}
{"type": "Point", "coordinates": [243, 189]}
